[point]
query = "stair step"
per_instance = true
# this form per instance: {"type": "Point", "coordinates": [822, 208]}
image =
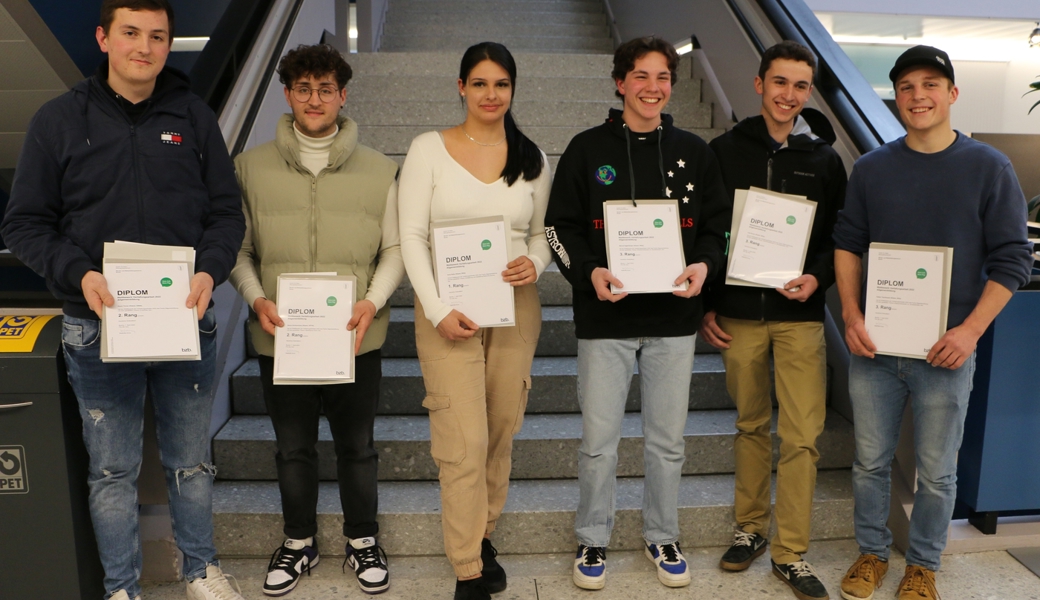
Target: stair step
{"type": "Point", "coordinates": [469, 7]}
{"type": "Point", "coordinates": [560, 44]}
{"type": "Point", "coordinates": [532, 24]}
{"type": "Point", "coordinates": [553, 390]}
{"type": "Point", "coordinates": [492, 18]}
{"type": "Point", "coordinates": [552, 140]}
{"type": "Point", "coordinates": [528, 113]}
{"type": "Point", "coordinates": [446, 64]}
{"type": "Point", "coordinates": [538, 517]}
{"type": "Point", "coordinates": [545, 448]}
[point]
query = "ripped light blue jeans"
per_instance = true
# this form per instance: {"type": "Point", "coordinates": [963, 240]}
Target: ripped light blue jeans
{"type": "Point", "coordinates": [111, 402]}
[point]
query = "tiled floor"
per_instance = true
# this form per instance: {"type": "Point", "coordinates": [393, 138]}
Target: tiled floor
{"type": "Point", "coordinates": [981, 576]}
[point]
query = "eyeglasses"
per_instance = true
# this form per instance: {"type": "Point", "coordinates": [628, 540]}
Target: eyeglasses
{"type": "Point", "coordinates": [304, 93]}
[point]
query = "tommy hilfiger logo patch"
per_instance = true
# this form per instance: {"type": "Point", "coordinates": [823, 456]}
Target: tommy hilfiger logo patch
{"type": "Point", "coordinates": [169, 137]}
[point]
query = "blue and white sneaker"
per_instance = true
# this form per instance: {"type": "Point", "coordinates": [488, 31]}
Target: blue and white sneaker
{"type": "Point", "coordinates": [590, 567]}
{"type": "Point", "coordinates": [672, 569]}
{"type": "Point", "coordinates": [291, 560]}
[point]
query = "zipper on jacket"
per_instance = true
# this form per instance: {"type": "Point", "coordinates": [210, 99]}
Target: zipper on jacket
{"type": "Point", "coordinates": [314, 223]}
{"type": "Point", "coordinates": [137, 183]}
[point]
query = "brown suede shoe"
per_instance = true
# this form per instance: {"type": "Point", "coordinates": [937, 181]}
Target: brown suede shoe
{"type": "Point", "coordinates": [864, 576]}
{"type": "Point", "coordinates": [918, 584]}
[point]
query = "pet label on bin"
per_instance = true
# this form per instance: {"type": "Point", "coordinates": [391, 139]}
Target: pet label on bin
{"type": "Point", "coordinates": [13, 476]}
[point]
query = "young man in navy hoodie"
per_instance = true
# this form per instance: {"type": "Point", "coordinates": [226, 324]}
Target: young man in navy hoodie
{"type": "Point", "coordinates": [777, 150]}
{"type": "Point", "coordinates": [636, 154]}
{"type": "Point", "coordinates": [130, 154]}
{"type": "Point", "coordinates": [933, 187]}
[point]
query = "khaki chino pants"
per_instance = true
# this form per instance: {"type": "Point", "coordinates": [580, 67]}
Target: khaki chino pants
{"type": "Point", "coordinates": [800, 367]}
{"type": "Point", "coordinates": [476, 392]}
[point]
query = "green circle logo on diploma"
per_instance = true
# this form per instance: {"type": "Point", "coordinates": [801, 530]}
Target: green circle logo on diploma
{"type": "Point", "coordinates": [790, 220]}
{"type": "Point", "coordinates": [486, 244]}
{"type": "Point", "coordinates": [166, 282]}
{"type": "Point", "coordinates": [331, 301]}
{"type": "Point", "coordinates": [658, 223]}
{"type": "Point", "coordinates": [921, 273]}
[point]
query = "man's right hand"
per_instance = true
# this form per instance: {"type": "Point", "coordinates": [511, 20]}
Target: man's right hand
{"type": "Point", "coordinates": [457, 326]}
{"type": "Point", "coordinates": [856, 336]}
{"type": "Point", "coordinates": [95, 291]}
{"type": "Point", "coordinates": [712, 333]}
{"type": "Point", "coordinates": [267, 312]}
{"type": "Point", "coordinates": [601, 280]}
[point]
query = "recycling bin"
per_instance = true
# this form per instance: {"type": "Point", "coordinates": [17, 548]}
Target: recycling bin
{"type": "Point", "coordinates": [48, 545]}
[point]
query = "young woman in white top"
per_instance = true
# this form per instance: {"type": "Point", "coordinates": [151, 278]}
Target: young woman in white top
{"type": "Point", "coordinates": [476, 379]}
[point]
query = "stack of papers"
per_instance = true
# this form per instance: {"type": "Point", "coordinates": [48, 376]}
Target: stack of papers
{"type": "Point", "coordinates": [769, 237]}
{"type": "Point", "coordinates": [149, 321]}
{"type": "Point", "coordinates": [314, 347]}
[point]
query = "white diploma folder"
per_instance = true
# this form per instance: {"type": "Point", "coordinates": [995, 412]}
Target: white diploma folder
{"type": "Point", "coordinates": [469, 256]}
{"type": "Point", "coordinates": [149, 321]}
{"type": "Point", "coordinates": [769, 237]}
{"type": "Point", "coordinates": [644, 245]}
{"type": "Point", "coordinates": [313, 347]}
{"type": "Point", "coordinates": [908, 297]}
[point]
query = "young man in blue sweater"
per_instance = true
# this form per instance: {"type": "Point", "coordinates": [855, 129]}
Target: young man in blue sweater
{"type": "Point", "coordinates": [933, 187]}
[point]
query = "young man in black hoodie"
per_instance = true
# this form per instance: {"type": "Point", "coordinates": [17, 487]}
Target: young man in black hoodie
{"type": "Point", "coordinates": [635, 154]}
{"type": "Point", "coordinates": [777, 151]}
{"type": "Point", "coordinates": [131, 154]}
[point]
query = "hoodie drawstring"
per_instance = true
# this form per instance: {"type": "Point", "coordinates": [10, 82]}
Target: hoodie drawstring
{"type": "Point", "coordinates": [631, 167]}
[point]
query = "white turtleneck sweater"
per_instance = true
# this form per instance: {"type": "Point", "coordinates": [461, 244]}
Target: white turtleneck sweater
{"type": "Point", "coordinates": [314, 152]}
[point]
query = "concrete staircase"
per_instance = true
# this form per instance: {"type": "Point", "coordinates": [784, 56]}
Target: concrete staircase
{"type": "Point", "coordinates": [395, 96]}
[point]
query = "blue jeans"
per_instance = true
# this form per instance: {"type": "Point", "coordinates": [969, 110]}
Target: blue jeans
{"type": "Point", "coordinates": [111, 402]}
{"type": "Point", "coordinates": [604, 375]}
{"type": "Point", "coordinates": [879, 389]}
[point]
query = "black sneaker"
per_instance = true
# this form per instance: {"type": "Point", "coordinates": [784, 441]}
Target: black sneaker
{"type": "Point", "coordinates": [471, 589]}
{"type": "Point", "coordinates": [745, 549]}
{"type": "Point", "coordinates": [804, 581]}
{"type": "Point", "coordinates": [291, 560]}
{"type": "Point", "coordinates": [369, 563]}
{"type": "Point", "coordinates": [493, 574]}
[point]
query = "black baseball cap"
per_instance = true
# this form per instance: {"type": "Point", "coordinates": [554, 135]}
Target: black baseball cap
{"type": "Point", "coordinates": [922, 56]}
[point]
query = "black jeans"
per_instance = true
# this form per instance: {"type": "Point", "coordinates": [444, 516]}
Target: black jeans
{"type": "Point", "coordinates": [351, 410]}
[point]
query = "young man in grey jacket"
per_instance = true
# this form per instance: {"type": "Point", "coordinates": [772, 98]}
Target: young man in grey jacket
{"type": "Point", "coordinates": [317, 201]}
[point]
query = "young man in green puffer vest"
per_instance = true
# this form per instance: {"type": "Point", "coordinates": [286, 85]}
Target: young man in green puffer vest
{"type": "Point", "coordinates": [317, 201]}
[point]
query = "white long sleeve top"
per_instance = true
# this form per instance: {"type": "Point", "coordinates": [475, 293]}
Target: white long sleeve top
{"type": "Point", "coordinates": [434, 187]}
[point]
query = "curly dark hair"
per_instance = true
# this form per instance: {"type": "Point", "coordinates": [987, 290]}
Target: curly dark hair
{"type": "Point", "coordinates": [627, 54]}
{"type": "Point", "coordinates": [786, 50]}
{"type": "Point", "coordinates": [314, 60]}
{"type": "Point", "coordinates": [109, 8]}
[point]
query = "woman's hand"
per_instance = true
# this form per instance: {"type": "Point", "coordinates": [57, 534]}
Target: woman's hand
{"type": "Point", "coordinates": [456, 326]}
{"type": "Point", "coordinates": [520, 272]}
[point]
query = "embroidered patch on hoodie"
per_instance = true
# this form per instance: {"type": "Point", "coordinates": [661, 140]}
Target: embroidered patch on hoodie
{"type": "Point", "coordinates": [605, 175]}
{"type": "Point", "coordinates": [169, 137]}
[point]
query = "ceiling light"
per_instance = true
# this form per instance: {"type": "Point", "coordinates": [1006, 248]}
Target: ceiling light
{"type": "Point", "coordinates": [1034, 38]}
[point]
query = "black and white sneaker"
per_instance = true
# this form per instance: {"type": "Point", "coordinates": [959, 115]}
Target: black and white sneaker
{"type": "Point", "coordinates": [745, 549]}
{"type": "Point", "coordinates": [369, 563]}
{"type": "Point", "coordinates": [291, 560]}
{"type": "Point", "coordinates": [804, 581]}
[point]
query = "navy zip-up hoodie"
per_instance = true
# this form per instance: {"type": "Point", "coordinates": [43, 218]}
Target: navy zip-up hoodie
{"type": "Point", "coordinates": [609, 162]}
{"type": "Point", "coordinates": [89, 174]}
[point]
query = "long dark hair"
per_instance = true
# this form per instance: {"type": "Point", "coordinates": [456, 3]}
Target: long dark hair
{"type": "Point", "coordinates": [523, 158]}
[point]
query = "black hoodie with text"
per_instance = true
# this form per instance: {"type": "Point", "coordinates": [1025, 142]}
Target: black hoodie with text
{"type": "Point", "coordinates": [610, 162]}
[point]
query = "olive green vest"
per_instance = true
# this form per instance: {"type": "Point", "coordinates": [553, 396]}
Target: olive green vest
{"type": "Point", "coordinates": [305, 223]}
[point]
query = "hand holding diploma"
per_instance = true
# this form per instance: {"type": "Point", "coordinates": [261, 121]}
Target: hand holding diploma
{"type": "Point", "coordinates": [201, 293]}
{"type": "Point", "coordinates": [856, 335]}
{"type": "Point", "coordinates": [364, 313]}
{"type": "Point", "coordinates": [602, 279]}
{"type": "Point", "coordinates": [456, 327]}
{"type": "Point", "coordinates": [520, 272]}
{"type": "Point", "coordinates": [267, 313]}
{"type": "Point", "coordinates": [694, 275]}
{"type": "Point", "coordinates": [799, 288]}
{"type": "Point", "coordinates": [95, 291]}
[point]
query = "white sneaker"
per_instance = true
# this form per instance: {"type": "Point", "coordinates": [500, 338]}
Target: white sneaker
{"type": "Point", "coordinates": [672, 569]}
{"type": "Point", "coordinates": [214, 586]}
{"type": "Point", "coordinates": [122, 595]}
{"type": "Point", "coordinates": [369, 563]}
